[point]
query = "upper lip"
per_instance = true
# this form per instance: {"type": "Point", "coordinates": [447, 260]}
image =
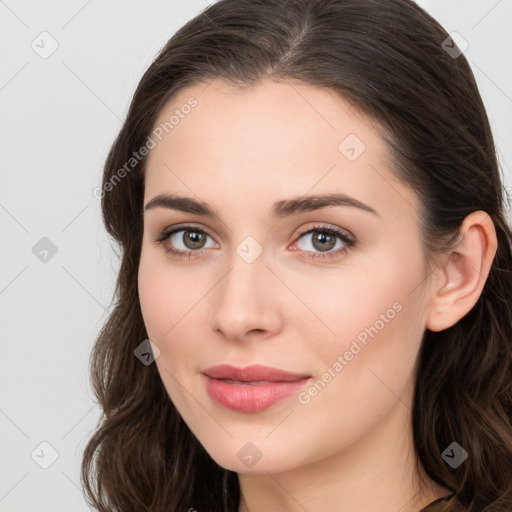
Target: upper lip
{"type": "Point", "coordinates": [255, 372]}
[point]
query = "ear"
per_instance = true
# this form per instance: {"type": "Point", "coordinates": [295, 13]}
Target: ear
{"type": "Point", "coordinates": [457, 283]}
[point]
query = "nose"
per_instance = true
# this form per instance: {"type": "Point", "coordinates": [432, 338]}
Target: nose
{"type": "Point", "coordinates": [248, 302]}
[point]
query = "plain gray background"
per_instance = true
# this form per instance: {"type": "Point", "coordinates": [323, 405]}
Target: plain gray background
{"type": "Point", "coordinates": [60, 114]}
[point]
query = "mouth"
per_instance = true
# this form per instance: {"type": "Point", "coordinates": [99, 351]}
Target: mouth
{"type": "Point", "coordinates": [253, 373]}
{"type": "Point", "coordinates": [253, 388]}
{"type": "Point", "coordinates": [249, 382]}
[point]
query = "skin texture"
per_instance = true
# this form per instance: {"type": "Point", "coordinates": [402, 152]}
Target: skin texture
{"type": "Point", "coordinates": [350, 446]}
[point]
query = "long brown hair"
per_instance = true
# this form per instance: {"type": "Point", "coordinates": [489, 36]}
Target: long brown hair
{"type": "Point", "coordinates": [389, 59]}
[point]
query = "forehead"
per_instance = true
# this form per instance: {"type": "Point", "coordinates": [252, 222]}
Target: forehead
{"type": "Point", "coordinates": [265, 108]}
{"type": "Point", "coordinates": [268, 141]}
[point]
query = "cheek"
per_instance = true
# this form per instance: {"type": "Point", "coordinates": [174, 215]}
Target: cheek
{"type": "Point", "coordinates": [361, 375]}
{"type": "Point", "coordinates": [164, 312]}
{"type": "Point", "coordinates": [376, 325]}
{"type": "Point", "coordinates": [154, 302]}
{"type": "Point", "coordinates": [354, 307]}
{"type": "Point", "coordinates": [159, 294]}
{"type": "Point", "coordinates": [170, 306]}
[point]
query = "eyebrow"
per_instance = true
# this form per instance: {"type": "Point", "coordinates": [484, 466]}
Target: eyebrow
{"type": "Point", "coordinates": [280, 209]}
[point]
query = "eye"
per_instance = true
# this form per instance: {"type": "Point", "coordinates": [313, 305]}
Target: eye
{"type": "Point", "coordinates": [324, 239]}
{"type": "Point", "coordinates": [192, 240]}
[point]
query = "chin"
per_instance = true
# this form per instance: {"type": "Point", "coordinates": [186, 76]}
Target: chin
{"type": "Point", "coordinates": [253, 457]}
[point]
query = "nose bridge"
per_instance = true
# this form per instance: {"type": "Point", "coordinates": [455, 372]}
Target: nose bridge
{"type": "Point", "coordinates": [245, 297]}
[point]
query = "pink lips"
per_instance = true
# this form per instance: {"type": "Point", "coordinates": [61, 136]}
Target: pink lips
{"type": "Point", "coordinates": [252, 388]}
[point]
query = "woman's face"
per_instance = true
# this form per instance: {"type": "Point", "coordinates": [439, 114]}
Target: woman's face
{"type": "Point", "coordinates": [343, 312]}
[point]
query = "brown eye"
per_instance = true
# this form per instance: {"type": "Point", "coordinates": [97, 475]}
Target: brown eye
{"type": "Point", "coordinates": [193, 239]}
{"type": "Point", "coordinates": [323, 241]}
{"type": "Point", "coordinates": [184, 241]}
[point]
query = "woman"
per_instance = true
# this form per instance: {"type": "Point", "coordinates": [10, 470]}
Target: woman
{"type": "Point", "coordinates": [314, 300]}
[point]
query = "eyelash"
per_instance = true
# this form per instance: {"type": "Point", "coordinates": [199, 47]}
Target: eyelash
{"type": "Point", "coordinates": [349, 242]}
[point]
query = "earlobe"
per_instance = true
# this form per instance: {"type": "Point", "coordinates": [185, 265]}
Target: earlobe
{"type": "Point", "coordinates": [460, 280]}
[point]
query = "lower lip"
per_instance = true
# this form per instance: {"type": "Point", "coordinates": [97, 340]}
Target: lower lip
{"type": "Point", "coordinates": [251, 397]}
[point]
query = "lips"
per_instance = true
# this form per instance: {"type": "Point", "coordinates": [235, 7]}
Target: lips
{"type": "Point", "coordinates": [253, 373]}
{"type": "Point", "coordinates": [253, 388]}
